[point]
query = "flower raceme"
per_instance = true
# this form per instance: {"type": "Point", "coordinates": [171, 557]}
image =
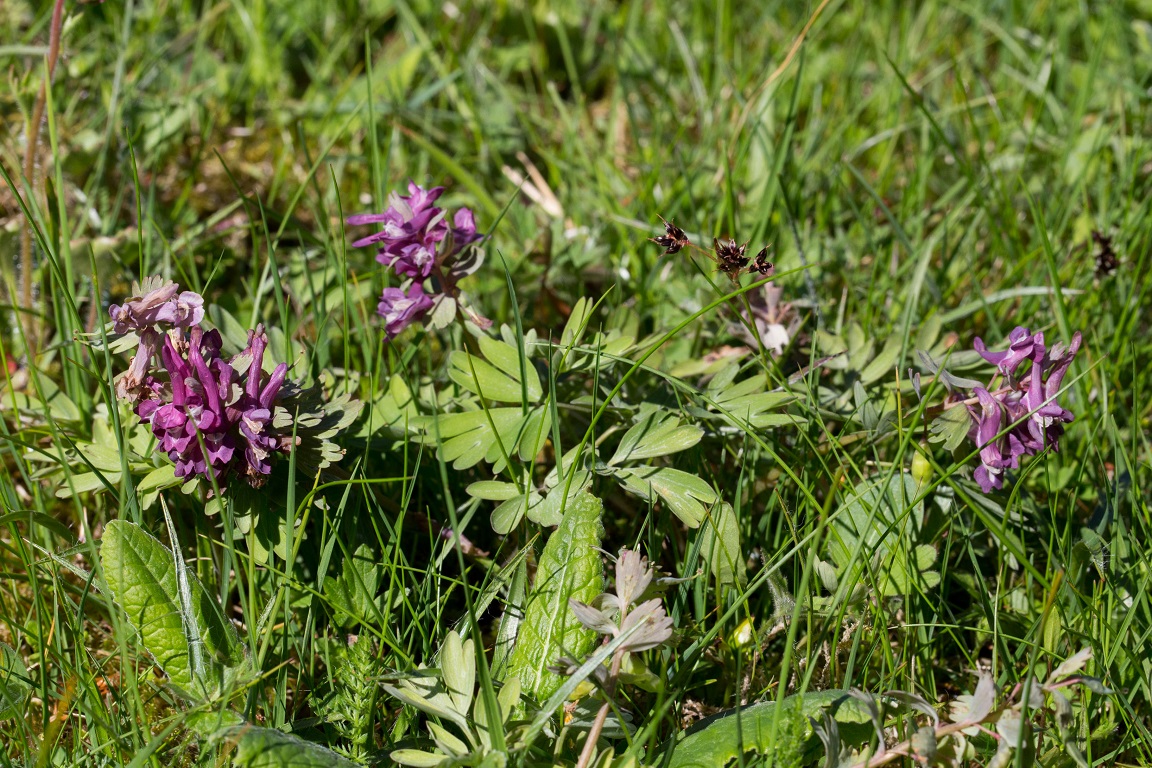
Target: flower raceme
{"type": "Point", "coordinates": [212, 416]}
{"type": "Point", "coordinates": [216, 416]}
{"type": "Point", "coordinates": [417, 242]}
{"type": "Point", "coordinates": [1023, 402]}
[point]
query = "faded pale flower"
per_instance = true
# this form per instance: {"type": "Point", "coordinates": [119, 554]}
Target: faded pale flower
{"type": "Point", "coordinates": [157, 307]}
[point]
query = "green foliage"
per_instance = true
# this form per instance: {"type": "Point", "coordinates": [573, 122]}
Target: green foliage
{"type": "Point", "coordinates": [14, 683]}
{"type": "Point", "coordinates": [874, 538]}
{"type": "Point", "coordinates": [352, 594]}
{"type": "Point", "coordinates": [923, 173]}
{"type": "Point", "coordinates": [181, 626]}
{"type": "Point", "coordinates": [258, 747]}
{"type": "Point", "coordinates": [768, 728]}
{"type": "Point", "coordinates": [569, 568]}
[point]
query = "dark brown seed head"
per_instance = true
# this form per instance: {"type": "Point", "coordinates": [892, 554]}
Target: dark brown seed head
{"type": "Point", "coordinates": [673, 240]}
{"type": "Point", "coordinates": [730, 257]}
{"type": "Point", "coordinates": [1106, 259]}
{"type": "Point", "coordinates": [760, 263]}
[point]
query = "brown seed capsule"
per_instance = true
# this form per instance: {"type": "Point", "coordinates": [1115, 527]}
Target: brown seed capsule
{"type": "Point", "coordinates": [673, 240]}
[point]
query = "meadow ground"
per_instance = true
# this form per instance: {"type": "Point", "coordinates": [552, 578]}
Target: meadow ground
{"type": "Point", "coordinates": [849, 495]}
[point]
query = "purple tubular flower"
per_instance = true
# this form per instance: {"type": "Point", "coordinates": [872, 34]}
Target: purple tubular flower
{"type": "Point", "coordinates": [400, 309]}
{"type": "Point", "coordinates": [1025, 406]}
{"type": "Point", "coordinates": [212, 425]}
{"type": "Point", "coordinates": [1021, 344]}
{"type": "Point", "coordinates": [415, 236]}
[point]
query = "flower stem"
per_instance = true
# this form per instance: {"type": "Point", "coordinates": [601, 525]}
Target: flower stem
{"type": "Point", "coordinates": [33, 140]}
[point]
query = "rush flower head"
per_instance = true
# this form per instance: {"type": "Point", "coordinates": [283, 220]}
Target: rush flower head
{"type": "Point", "coordinates": [1021, 416]}
{"type": "Point", "coordinates": [760, 263]}
{"type": "Point", "coordinates": [730, 257]}
{"type": "Point", "coordinates": [400, 309]}
{"type": "Point", "coordinates": [673, 240]}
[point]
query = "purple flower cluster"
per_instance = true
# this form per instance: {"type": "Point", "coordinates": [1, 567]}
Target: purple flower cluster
{"type": "Point", "coordinates": [212, 416]}
{"type": "Point", "coordinates": [1024, 403]}
{"type": "Point", "coordinates": [160, 306]}
{"type": "Point", "coordinates": [417, 243]}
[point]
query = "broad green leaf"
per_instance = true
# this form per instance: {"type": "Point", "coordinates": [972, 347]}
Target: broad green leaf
{"type": "Point", "coordinates": [495, 382]}
{"type": "Point", "coordinates": [352, 595]}
{"type": "Point", "coordinates": [86, 482]}
{"type": "Point", "coordinates": [141, 574]}
{"type": "Point", "coordinates": [721, 547]}
{"type": "Point", "coordinates": [569, 568]}
{"type": "Point", "coordinates": [269, 748]}
{"type": "Point", "coordinates": [458, 671]}
{"type": "Point", "coordinates": [509, 513]}
{"type": "Point", "coordinates": [928, 332]}
{"type": "Point", "coordinates": [58, 407]}
{"type": "Point", "coordinates": [14, 684]}
{"type": "Point", "coordinates": [577, 322]}
{"type": "Point", "coordinates": [164, 477]}
{"type": "Point", "coordinates": [535, 433]}
{"type": "Point", "coordinates": [656, 434]}
{"type": "Point", "coordinates": [684, 493]}
{"type": "Point", "coordinates": [480, 377]}
{"type": "Point", "coordinates": [722, 738]}
{"type": "Point", "coordinates": [492, 490]}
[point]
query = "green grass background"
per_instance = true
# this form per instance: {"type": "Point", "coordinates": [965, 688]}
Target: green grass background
{"type": "Point", "coordinates": [906, 161]}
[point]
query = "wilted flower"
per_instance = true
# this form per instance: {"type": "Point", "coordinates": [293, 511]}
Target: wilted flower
{"type": "Point", "coordinates": [614, 613]}
{"type": "Point", "coordinates": [1026, 402]}
{"type": "Point", "coordinates": [400, 309]}
{"type": "Point", "coordinates": [157, 306]}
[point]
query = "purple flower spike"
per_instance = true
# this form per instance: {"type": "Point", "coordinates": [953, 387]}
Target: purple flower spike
{"type": "Point", "coordinates": [417, 242]}
{"type": "Point", "coordinates": [1024, 407]}
{"type": "Point", "coordinates": [400, 309]}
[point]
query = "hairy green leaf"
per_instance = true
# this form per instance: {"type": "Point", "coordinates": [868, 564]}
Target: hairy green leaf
{"type": "Point", "coordinates": [722, 738]}
{"type": "Point", "coordinates": [569, 568]}
{"type": "Point", "coordinates": [269, 748]}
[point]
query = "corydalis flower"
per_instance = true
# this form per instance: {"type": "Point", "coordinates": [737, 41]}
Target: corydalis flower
{"type": "Point", "coordinates": [400, 309]}
{"type": "Point", "coordinates": [415, 236]}
{"type": "Point", "coordinates": [156, 307]}
{"type": "Point", "coordinates": [1024, 404]}
{"type": "Point", "coordinates": [215, 415]}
